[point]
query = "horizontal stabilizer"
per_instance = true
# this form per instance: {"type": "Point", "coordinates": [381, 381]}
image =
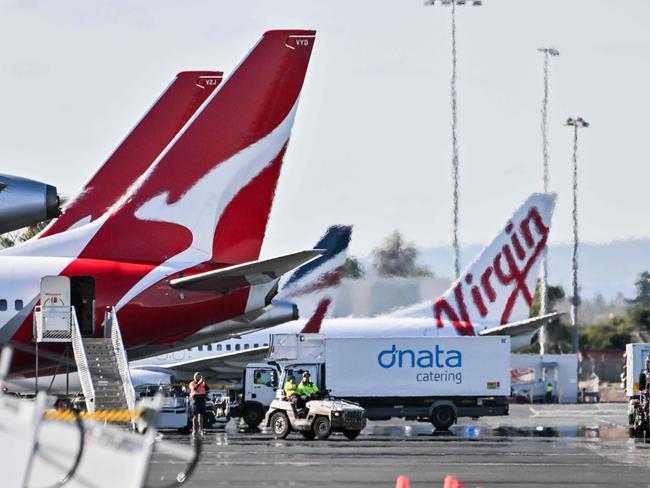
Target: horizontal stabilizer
{"type": "Point", "coordinates": [246, 274]}
{"type": "Point", "coordinates": [522, 327]}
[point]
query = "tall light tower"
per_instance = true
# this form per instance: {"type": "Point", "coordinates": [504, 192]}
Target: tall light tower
{"type": "Point", "coordinates": [543, 295]}
{"type": "Point", "coordinates": [454, 124]}
{"type": "Point", "coordinates": [576, 123]}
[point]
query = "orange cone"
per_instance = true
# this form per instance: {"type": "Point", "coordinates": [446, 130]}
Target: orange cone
{"type": "Point", "coordinates": [403, 481]}
{"type": "Point", "coordinates": [452, 482]}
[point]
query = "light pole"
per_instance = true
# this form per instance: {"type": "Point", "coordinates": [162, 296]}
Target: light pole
{"type": "Point", "coordinates": [576, 123]}
{"type": "Point", "coordinates": [543, 294]}
{"type": "Point", "coordinates": [454, 124]}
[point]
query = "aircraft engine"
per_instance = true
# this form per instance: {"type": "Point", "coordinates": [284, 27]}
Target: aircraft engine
{"type": "Point", "coordinates": [25, 202]}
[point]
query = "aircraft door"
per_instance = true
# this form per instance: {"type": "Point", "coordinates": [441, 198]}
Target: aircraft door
{"type": "Point", "coordinates": [82, 298]}
{"type": "Point", "coordinates": [55, 291]}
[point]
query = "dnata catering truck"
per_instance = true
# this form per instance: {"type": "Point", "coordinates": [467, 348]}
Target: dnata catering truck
{"type": "Point", "coordinates": [635, 358]}
{"type": "Point", "coordinates": [430, 379]}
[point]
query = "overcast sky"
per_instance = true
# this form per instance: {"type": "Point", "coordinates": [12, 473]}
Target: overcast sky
{"type": "Point", "coordinates": [371, 141]}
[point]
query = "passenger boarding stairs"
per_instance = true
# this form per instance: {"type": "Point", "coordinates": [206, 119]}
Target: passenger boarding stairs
{"type": "Point", "coordinates": [104, 373]}
{"type": "Point", "coordinates": [102, 363]}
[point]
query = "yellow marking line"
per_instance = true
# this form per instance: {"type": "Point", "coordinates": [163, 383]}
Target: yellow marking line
{"type": "Point", "coordinates": [100, 415]}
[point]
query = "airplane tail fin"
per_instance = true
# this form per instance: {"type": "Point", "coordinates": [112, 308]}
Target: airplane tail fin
{"type": "Point", "coordinates": [498, 286]}
{"type": "Point", "coordinates": [208, 195]}
{"type": "Point", "coordinates": [316, 320]}
{"type": "Point", "coordinates": [317, 280]}
{"type": "Point", "coordinates": [139, 149]}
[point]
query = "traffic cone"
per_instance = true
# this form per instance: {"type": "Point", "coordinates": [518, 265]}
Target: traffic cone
{"type": "Point", "coordinates": [402, 481]}
{"type": "Point", "coordinates": [452, 482]}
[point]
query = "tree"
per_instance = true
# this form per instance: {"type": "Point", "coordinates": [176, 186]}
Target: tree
{"type": "Point", "coordinates": [558, 334]}
{"type": "Point", "coordinates": [10, 239]}
{"type": "Point", "coordinates": [613, 333]}
{"type": "Point", "coordinates": [553, 293]}
{"type": "Point", "coordinates": [352, 268]}
{"type": "Point", "coordinates": [640, 318]}
{"type": "Point", "coordinates": [642, 291]}
{"type": "Point", "coordinates": [395, 257]}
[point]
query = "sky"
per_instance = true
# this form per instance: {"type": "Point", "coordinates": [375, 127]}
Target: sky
{"type": "Point", "coordinates": [371, 141]}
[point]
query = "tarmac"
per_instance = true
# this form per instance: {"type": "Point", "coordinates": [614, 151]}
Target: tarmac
{"type": "Point", "coordinates": [536, 445]}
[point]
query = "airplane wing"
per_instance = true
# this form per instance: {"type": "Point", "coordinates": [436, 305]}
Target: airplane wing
{"type": "Point", "coordinates": [246, 274]}
{"type": "Point", "coordinates": [521, 327]}
{"type": "Point", "coordinates": [223, 365]}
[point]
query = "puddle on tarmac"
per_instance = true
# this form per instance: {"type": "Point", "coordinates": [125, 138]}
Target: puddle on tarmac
{"type": "Point", "coordinates": [222, 437]}
{"type": "Point", "coordinates": [475, 432]}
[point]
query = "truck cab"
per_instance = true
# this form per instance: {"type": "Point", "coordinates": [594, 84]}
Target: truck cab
{"type": "Point", "coordinates": [260, 386]}
{"type": "Point", "coordinates": [638, 412]}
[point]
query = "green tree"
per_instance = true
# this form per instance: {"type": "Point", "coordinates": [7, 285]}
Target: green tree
{"type": "Point", "coordinates": [10, 239]}
{"type": "Point", "coordinates": [352, 268]}
{"type": "Point", "coordinates": [396, 257]}
{"type": "Point", "coordinates": [640, 318]}
{"type": "Point", "coordinates": [558, 334]}
{"type": "Point", "coordinates": [613, 333]}
{"type": "Point", "coordinates": [642, 297]}
{"type": "Point", "coordinates": [554, 295]}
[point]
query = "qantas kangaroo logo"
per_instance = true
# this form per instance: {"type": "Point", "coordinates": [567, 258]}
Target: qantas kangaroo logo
{"type": "Point", "coordinates": [510, 268]}
{"type": "Point", "coordinates": [215, 190]}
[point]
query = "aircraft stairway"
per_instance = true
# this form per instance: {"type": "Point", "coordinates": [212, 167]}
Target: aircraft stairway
{"type": "Point", "coordinates": [102, 363]}
{"type": "Point", "coordinates": [105, 374]}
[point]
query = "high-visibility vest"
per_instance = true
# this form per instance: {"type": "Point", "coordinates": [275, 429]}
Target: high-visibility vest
{"type": "Point", "coordinates": [197, 388]}
{"type": "Point", "coordinates": [290, 389]}
{"type": "Point", "coordinates": [307, 388]}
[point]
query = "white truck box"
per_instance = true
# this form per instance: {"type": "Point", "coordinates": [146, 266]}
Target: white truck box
{"type": "Point", "coordinates": [418, 366]}
{"type": "Point", "coordinates": [306, 348]}
{"type": "Point", "coordinates": [635, 356]}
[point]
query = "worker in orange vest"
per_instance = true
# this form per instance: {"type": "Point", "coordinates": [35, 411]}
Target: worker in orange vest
{"type": "Point", "coordinates": [198, 395]}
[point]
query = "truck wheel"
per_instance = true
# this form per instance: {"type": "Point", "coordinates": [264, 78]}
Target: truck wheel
{"type": "Point", "coordinates": [443, 417]}
{"type": "Point", "coordinates": [280, 425]}
{"type": "Point", "coordinates": [253, 415]}
{"type": "Point", "coordinates": [351, 434]}
{"type": "Point", "coordinates": [308, 434]}
{"type": "Point", "coordinates": [322, 427]}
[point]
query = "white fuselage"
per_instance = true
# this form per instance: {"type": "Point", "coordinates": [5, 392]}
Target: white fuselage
{"type": "Point", "coordinates": [335, 327]}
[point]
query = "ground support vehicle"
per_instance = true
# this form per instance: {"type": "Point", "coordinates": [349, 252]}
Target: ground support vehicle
{"type": "Point", "coordinates": [322, 417]}
{"type": "Point", "coordinates": [429, 379]}
{"type": "Point", "coordinates": [175, 411]}
{"type": "Point", "coordinates": [259, 386]}
{"type": "Point", "coordinates": [638, 414]}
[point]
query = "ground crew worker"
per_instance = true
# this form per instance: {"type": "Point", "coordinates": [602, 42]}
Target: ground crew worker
{"type": "Point", "coordinates": [291, 388]}
{"type": "Point", "coordinates": [549, 392]}
{"type": "Point", "coordinates": [307, 387]}
{"type": "Point", "coordinates": [198, 395]}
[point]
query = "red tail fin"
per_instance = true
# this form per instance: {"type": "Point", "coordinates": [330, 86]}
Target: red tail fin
{"type": "Point", "coordinates": [209, 194]}
{"type": "Point", "coordinates": [139, 149]}
{"type": "Point", "coordinates": [313, 324]}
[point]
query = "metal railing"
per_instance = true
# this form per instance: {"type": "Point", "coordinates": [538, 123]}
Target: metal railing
{"type": "Point", "coordinates": [83, 369]}
{"type": "Point", "coordinates": [52, 324]}
{"type": "Point", "coordinates": [110, 322]}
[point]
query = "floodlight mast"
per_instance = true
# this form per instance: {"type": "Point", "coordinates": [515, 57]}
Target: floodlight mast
{"type": "Point", "coordinates": [454, 124]}
{"type": "Point", "coordinates": [543, 289]}
{"type": "Point", "coordinates": [576, 123]}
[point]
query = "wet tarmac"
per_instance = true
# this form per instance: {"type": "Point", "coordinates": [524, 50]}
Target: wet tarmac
{"type": "Point", "coordinates": [537, 445]}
